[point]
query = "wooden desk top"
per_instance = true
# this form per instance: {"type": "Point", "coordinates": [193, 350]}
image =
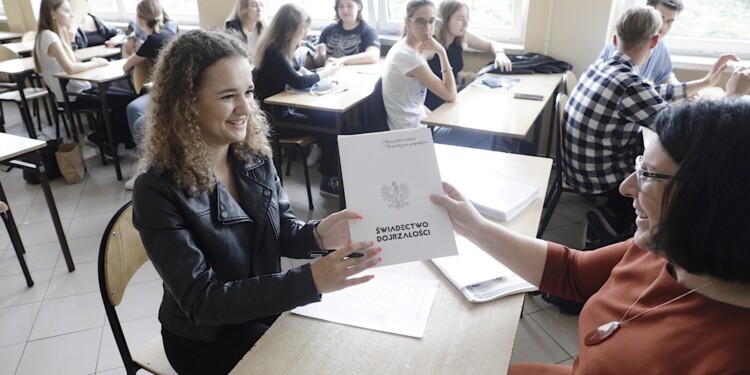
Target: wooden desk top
{"type": "Point", "coordinates": [110, 72]}
{"type": "Point", "coordinates": [13, 145]}
{"type": "Point", "coordinates": [21, 48]}
{"type": "Point", "coordinates": [85, 54]}
{"type": "Point", "coordinates": [357, 80]}
{"type": "Point", "coordinates": [17, 66]}
{"type": "Point", "coordinates": [5, 35]}
{"type": "Point", "coordinates": [495, 110]}
{"type": "Point", "coordinates": [461, 337]}
{"type": "Point", "coordinates": [648, 136]}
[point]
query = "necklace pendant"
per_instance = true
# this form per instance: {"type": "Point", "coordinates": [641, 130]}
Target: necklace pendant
{"type": "Point", "coordinates": [601, 333]}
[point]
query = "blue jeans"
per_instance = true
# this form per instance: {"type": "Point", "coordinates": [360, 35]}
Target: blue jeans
{"type": "Point", "coordinates": [136, 112]}
{"type": "Point", "coordinates": [460, 137]}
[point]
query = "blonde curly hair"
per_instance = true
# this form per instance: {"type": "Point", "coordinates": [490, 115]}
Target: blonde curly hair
{"type": "Point", "coordinates": [174, 143]}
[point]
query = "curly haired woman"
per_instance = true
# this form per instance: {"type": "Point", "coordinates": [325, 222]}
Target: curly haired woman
{"type": "Point", "coordinates": [213, 216]}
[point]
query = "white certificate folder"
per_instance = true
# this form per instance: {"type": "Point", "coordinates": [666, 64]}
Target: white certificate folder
{"type": "Point", "coordinates": [388, 179]}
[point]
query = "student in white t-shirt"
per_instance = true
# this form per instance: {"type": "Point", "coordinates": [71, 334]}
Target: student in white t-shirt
{"type": "Point", "coordinates": [407, 78]}
{"type": "Point", "coordinates": [53, 55]}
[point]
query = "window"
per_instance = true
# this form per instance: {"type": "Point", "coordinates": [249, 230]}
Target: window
{"type": "Point", "coordinates": [710, 28]}
{"type": "Point", "coordinates": [321, 11]}
{"type": "Point", "coordinates": [498, 19]}
{"type": "Point", "coordinates": [183, 11]}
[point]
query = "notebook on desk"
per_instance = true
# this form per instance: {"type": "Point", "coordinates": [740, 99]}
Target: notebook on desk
{"type": "Point", "coordinates": [478, 276]}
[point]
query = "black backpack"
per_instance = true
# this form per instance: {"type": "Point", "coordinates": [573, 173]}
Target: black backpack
{"type": "Point", "coordinates": [530, 63]}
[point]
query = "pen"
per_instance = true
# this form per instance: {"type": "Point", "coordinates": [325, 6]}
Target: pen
{"type": "Point", "coordinates": [319, 254]}
{"type": "Point", "coordinates": [338, 91]}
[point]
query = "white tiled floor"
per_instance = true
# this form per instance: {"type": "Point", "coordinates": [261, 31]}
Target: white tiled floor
{"type": "Point", "coordinates": [58, 326]}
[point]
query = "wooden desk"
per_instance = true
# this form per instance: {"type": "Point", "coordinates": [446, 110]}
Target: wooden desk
{"type": "Point", "coordinates": [103, 76]}
{"type": "Point", "coordinates": [461, 337]}
{"type": "Point", "coordinates": [12, 147]}
{"type": "Point", "coordinates": [85, 54]}
{"type": "Point", "coordinates": [495, 111]}
{"type": "Point", "coordinates": [19, 70]}
{"type": "Point", "coordinates": [21, 48]}
{"type": "Point", "coordinates": [6, 36]}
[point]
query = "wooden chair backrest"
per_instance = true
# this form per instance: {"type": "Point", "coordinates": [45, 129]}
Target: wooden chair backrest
{"type": "Point", "coordinates": [5, 55]}
{"type": "Point", "coordinates": [28, 36]}
{"type": "Point", "coordinates": [123, 256]}
{"type": "Point", "coordinates": [571, 81]}
{"type": "Point", "coordinates": [141, 75]}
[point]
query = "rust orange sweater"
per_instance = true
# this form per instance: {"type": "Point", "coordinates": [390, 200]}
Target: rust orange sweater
{"type": "Point", "coordinates": [692, 335]}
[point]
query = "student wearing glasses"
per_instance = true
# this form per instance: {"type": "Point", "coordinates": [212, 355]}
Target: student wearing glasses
{"type": "Point", "coordinates": [247, 20]}
{"type": "Point", "coordinates": [350, 40]}
{"type": "Point", "coordinates": [451, 30]}
{"type": "Point", "coordinates": [674, 298]}
{"type": "Point", "coordinates": [407, 77]}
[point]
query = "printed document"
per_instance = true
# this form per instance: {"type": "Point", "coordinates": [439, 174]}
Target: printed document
{"type": "Point", "coordinates": [389, 303]}
{"type": "Point", "coordinates": [388, 179]}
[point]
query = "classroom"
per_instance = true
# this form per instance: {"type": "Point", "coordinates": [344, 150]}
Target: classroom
{"type": "Point", "coordinates": [183, 182]}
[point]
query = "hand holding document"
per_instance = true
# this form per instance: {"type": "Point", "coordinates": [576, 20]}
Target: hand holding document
{"type": "Point", "coordinates": [388, 179]}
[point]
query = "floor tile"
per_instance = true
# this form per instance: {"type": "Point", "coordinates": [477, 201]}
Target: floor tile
{"type": "Point", "coordinates": [16, 323]}
{"type": "Point", "coordinates": [14, 292]}
{"type": "Point", "coordinates": [38, 257]}
{"type": "Point", "coordinates": [9, 358]}
{"type": "Point", "coordinates": [83, 249]}
{"type": "Point", "coordinates": [40, 212]}
{"type": "Point", "coordinates": [69, 314]}
{"type": "Point", "coordinates": [137, 333]}
{"type": "Point", "coordinates": [140, 300]}
{"type": "Point", "coordinates": [87, 226]}
{"type": "Point", "coordinates": [117, 371]}
{"type": "Point", "coordinates": [97, 204]}
{"type": "Point", "coordinates": [534, 345]}
{"type": "Point", "coordinates": [40, 233]}
{"type": "Point", "coordinates": [562, 327]}
{"type": "Point", "coordinates": [84, 279]}
{"type": "Point", "coordinates": [534, 303]}
{"type": "Point", "coordinates": [72, 354]}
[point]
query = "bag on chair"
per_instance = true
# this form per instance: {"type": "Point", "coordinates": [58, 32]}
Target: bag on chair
{"type": "Point", "coordinates": [70, 161]}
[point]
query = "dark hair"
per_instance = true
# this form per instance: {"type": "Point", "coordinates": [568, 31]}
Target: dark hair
{"type": "Point", "coordinates": [704, 227]}
{"type": "Point", "coordinates": [359, 12]}
{"type": "Point", "coordinates": [671, 4]}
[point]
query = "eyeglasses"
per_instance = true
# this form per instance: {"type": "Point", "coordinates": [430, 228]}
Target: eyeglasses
{"type": "Point", "coordinates": [422, 23]}
{"type": "Point", "coordinates": [640, 174]}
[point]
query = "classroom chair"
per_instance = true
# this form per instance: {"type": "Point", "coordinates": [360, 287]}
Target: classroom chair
{"type": "Point", "coordinates": [296, 144]}
{"type": "Point", "coordinates": [375, 117]}
{"type": "Point", "coordinates": [558, 186]}
{"type": "Point", "coordinates": [121, 254]}
{"type": "Point", "coordinates": [15, 239]}
{"type": "Point", "coordinates": [12, 94]}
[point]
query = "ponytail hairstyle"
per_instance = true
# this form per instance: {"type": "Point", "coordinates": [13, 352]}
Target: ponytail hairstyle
{"type": "Point", "coordinates": [46, 22]}
{"type": "Point", "coordinates": [151, 12]}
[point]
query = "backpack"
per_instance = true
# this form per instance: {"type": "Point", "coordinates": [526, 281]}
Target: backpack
{"type": "Point", "coordinates": [530, 63]}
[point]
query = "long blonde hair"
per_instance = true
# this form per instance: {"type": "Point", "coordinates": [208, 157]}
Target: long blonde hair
{"type": "Point", "coordinates": [151, 11]}
{"type": "Point", "coordinates": [283, 27]}
{"type": "Point", "coordinates": [446, 10]}
{"type": "Point", "coordinates": [174, 141]}
{"type": "Point", "coordinates": [46, 22]}
{"type": "Point", "coordinates": [240, 7]}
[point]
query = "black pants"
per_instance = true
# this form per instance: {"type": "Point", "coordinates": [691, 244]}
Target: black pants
{"type": "Point", "coordinates": [329, 147]}
{"type": "Point", "coordinates": [188, 356]}
{"type": "Point", "coordinates": [117, 101]}
{"type": "Point", "coordinates": [622, 207]}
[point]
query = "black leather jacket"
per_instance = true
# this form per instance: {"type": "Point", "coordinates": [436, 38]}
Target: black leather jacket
{"type": "Point", "coordinates": [219, 260]}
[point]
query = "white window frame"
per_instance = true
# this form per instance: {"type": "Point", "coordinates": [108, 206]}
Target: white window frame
{"type": "Point", "coordinates": [509, 35]}
{"type": "Point", "coordinates": [124, 16]}
{"type": "Point", "coordinates": [692, 46]}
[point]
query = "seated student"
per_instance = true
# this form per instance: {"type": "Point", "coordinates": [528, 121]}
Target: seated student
{"type": "Point", "coordinates": [606, 110]}
{"type": "Point", "coordinates": [658, 67]}
{"type": "Point", "coordinates": [350, 40]}
{"type": "Point", "coordinates": [674, 299]}
{"type": "Point", "coordinates": [53, 55]}
{"type": "Point", "coordinates": [150, 19]}
{"type": "Point", "coordinates": [136, 35]}
{"type": "Point", "coordinates": [214, 218]}
{"type": "Point", "coordinates": [275, 70]}
{"type": "Point", "coordinates": [407, 77]}
{"type": "Point", "coordinates": [451, 30]}
{"type": "Point", "coordinates": [95, 32]}
{"type": "Point", "coordinates": [247, 19]}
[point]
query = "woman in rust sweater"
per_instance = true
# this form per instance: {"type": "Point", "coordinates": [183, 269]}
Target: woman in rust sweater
{"type": "Point", "coordinates": [674, 299]}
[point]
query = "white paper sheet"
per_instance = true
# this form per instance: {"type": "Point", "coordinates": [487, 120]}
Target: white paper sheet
{"type": "Point", "coordinates": [388, 179]}
{"type": "Point", "coordinates": [389, 303]}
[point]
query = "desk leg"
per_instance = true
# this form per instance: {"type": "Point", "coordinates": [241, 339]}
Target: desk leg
{"type": "Point", "coordinates": [340, 119]}
{"type": "Point", "coordinates": [36, 156]}
{"type": "Point", "coordinates": [15, 238]}
{"type": "Point", "coordinates": [108, 127]}
{"type": "Point", "coordinates": [68, 110]}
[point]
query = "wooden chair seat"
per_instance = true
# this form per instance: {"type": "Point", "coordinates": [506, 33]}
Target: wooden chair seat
{"type": "Point", "coordinates": [31, 93]}
{"type": "Point", "coordinates": [298, 141]}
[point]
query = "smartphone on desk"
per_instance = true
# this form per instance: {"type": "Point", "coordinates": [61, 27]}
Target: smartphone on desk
{"type": "Point", "coordinates": [520, 95]}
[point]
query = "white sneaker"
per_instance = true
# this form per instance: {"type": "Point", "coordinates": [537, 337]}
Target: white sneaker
{"type": "Point", "coordinates": [129, 183]}
{"type": "Point", "coordinates": [314, 157]}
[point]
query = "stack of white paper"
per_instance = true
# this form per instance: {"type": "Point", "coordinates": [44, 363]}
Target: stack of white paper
{"type": "Point", "coordinates": [478, 276]}
{"type": "Point", "coordinates": [492, 192]}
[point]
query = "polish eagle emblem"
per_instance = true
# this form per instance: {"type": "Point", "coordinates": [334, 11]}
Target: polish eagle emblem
{"type": "Point", "coordinates": [395, 195]}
